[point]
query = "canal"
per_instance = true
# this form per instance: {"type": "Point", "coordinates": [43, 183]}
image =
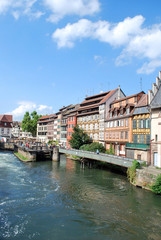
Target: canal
{"type": "Point", "coordinates": [51, 201]}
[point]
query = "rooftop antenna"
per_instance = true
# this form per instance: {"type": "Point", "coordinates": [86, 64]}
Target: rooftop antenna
{"type": "Point", "coordinates": [141, 84]}
{"type": "Point", "coordinates": [86, 93]}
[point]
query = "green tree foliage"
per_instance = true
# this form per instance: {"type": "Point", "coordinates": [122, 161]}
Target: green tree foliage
{"type": "Point", "coordinates": [29, 123]}
{"type": "Point", "coordinates": [131, 172]}
{"type": "Point", "coordinates": [93, 147]}
{"type": "Point", "coordinates": [156, 188]}
{"type": "Point", "coordinates": [79, 138]}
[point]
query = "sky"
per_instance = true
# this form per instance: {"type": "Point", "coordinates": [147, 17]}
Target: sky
{"type": "Point", "coordinates": [56, 52]}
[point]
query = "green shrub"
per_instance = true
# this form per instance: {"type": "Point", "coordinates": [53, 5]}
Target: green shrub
{"type": "Point", "coordinates": [111, 150]}
{"type": "Point", "coordinates": [93, 147]}
{"type": "Point", "coordinates": [156, 187]}
{"type": "Point", "coordinates": [131, 172]}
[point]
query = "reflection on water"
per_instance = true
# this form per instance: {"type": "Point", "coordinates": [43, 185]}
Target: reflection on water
{"type": "Point", "coordinates": [50, 200]}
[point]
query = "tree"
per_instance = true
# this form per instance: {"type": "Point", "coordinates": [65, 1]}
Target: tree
{"type": "Point", "coordinates": [26, 123]}
{"type": "Point", "coordinates": [79, 138]}
{"type": "Point", "coordinates": [29, 123]}
{"type": "Point", "coordinates": [93, 147]}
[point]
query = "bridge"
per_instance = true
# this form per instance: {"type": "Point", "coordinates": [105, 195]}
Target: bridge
{"type": "Point", "coordinates": [102, 157]}
{"type": "Point", "coordinates": [41, 153]}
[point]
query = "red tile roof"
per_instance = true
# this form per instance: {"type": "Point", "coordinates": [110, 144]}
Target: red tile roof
{"type": "Point", "coordinates": [6, 118]}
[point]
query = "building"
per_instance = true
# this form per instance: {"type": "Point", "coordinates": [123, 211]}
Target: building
{"type": "Point", "coordinates": [118, 124]}
{"type": "Point", "coordinates": [16, 129]}
{"type": "Point", "coordinates": [104, 109]}
{"type": "Point", "coordinates": [140, 146]}
{"type": "Point", "coordinates": [65, 112]}
{"type": "Point", "coordinates": [71, 122]}
{"type": "Point", "coordinates": [6, 126]}
{"type": "Point", "coordinates": [89, 112]}
{"type": "Point", "coordinates": [155, 106]}
{"type": "Point", "coordinates": [43, 132]}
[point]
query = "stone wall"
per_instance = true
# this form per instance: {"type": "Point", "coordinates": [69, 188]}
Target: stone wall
{"type": "Point", "coordinates": [30, 155]}
{"type": "Point", "coordinates": [7, 146]}
{"type": "Point", "coordinates": [146, 177]}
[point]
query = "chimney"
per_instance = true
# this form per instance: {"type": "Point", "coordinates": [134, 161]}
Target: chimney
{"type": "Point", "coordinates": [157, 81]}
{"type": "Point", "coordinates": [155, 89]}
{"type": "Point", "coordinates": [160, 75]}
{"type": "Point", "coordinates": [150, 96]}
{"type": "Point", "coordinates": [119, 92]}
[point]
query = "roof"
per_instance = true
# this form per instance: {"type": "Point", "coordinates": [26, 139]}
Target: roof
{"type": "Point", "coordinates": [156, 102]}
{"type": "Point", "coordinates": [47, 116]}
{"type": "Point", "coordinates": [108, 95]}
{"type": "Point", "coordinates": [94, 101]}
{"type": "Point", "coordinates": [6, 118]}
{"type": "Point", "coordinates": [143, 101]}
{"type": "Point", "coordinates": [122, 99]}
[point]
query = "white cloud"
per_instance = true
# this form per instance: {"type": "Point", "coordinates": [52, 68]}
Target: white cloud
{"type": "Point", "coordinates": [114, 34]}
{"type": "Point", "coordinates": [130, 35]}
{"type": "Point", "coordinates": [19, 8]}
{"type": "Point", "coordinates": [26, 106]}
{"type": "Point", "coordinates": [99, 59]}
{"type": "Point", "coordinates": [61, 8]}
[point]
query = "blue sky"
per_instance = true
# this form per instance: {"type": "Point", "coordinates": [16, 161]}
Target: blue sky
{"type": "Point", "coordinates": [55, 52]}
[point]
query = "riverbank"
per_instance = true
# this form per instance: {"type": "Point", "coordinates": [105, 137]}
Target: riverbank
{"type": "Point", "coordinates": [21, 157]}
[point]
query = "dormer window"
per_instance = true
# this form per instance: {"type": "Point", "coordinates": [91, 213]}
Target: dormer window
{"type": "Point", "coordinates": [110, 114]}
{"type": "Point", "coordinates": [127, 111]}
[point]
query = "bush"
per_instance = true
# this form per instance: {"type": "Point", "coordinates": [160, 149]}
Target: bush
{"type": "Point", "coordinates": [131, 172]}
{"type": "Point", "coordinates": [111, 150]}
{"type": "Point", "coordinates": [156, 187]}
{"type": "Point", "coordinates": [93, 147]}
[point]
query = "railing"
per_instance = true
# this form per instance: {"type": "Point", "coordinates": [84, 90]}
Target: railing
{"type": "Point", "coordinates": [113, 159]}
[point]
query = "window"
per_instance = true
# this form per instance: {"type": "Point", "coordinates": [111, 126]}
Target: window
{"type": "Point", "coordinates": [118, 123]}
{"type": "Point", "coordinates": [107, 125]}
{"type": "Point", "coordinates": [91, 136]}
{"type": "Point", "coordinates": [127, 111]}
{"type": "Point", "coordinates": [113, 135]}
{"type": "Point", "coordinates": [96, 126]}
{"type": "Point", "coordinates": [110, 135]}
{"type": "Point", "coordinates": [111, 124]}
{"type": "Point", "coordinates": [95, 136]}
{"type": "Point", "coordinates": [126, 135]}
{"type": "Point", "coordinates": [107, 135]}
{"type": "Point", "coordinates": [110, 114]}
{"type": "Point", "coordinates": [122, 135]}
{"type": "Point", "coordinates": [117, 135]}
{"type": "Point", "coordinates": [87, 127]}
{"type": "Point", "coordinates": [156, 138]}
{"type": "Point", "coordinates": [148, 139]}
{"type": "Point", "coordinates": [91, 126]}
{"type": "Point", "coordinates": [134, 124]}
{"type": "Point", "coordinates": [147, 123]}
{"type": "Point", "coordinates": [135, 138]}
{"type": "Point", "coordinates": [142, 123]}
{"type": "Point", "coordinates": [141, 138]}
{"type": "Point", "coordinates": [126, 122]}
{"type": "Point", "coordinates": [122, 123]}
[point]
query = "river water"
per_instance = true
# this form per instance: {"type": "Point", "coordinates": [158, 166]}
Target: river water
{"type": "Point", "coordinates": [51, 201]}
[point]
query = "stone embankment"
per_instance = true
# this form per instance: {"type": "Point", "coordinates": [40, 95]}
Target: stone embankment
{"type": "Point", "coordinates": [146, 177]}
